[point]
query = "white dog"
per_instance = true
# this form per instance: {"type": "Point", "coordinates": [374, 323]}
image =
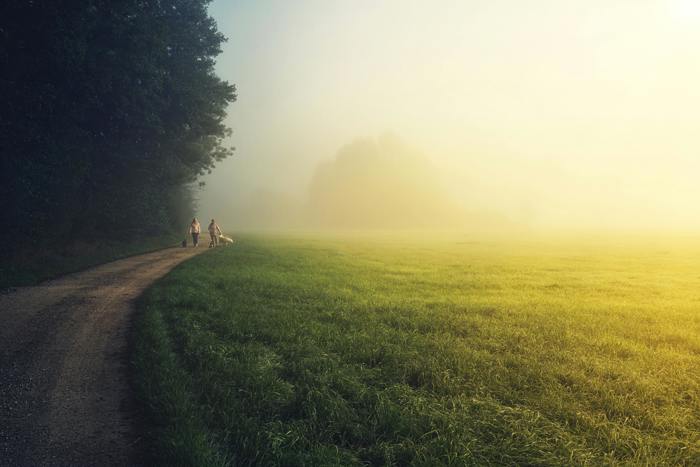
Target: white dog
{"type": "Point", "coordinates": [224, 240]}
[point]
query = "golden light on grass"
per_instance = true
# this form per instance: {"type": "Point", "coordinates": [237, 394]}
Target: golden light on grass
{"type": "Point", "coordinates": [416, 350]}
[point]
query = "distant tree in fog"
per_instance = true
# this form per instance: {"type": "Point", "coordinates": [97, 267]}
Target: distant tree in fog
{"type": "Point", "coordinates": [380, 183]}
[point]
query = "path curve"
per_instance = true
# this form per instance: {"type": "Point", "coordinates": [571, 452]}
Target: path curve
{"type": "Point", "coordinates": [65, 397]}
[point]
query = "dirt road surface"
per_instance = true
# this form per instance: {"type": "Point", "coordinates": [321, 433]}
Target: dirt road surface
{"type": "Point", "coordinates": [65, 396]}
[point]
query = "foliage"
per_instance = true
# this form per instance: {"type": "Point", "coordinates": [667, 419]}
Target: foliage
{"type": "Point", "coordinates": [109, 110]}
{"type": "Point", "coordinates": [310, 351]}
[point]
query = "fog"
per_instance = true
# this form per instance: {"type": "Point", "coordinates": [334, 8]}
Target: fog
{"type": "Point", "coordinates": [471, 115]}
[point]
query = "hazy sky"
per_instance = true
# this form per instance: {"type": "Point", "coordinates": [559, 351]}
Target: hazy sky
{"type": "Point", "coordinates": [554, 113]}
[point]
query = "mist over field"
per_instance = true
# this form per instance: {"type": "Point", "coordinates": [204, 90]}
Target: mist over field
{"type": "Point", "coordinates": [373, 183]}
{"type": "Point", "coordinates": [539, 116]}
{"type": "Point", "coordinates": [382, 182]}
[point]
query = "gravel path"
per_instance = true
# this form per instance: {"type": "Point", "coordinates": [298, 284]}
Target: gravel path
{"type": "Point", "coordinates": [65, 396]}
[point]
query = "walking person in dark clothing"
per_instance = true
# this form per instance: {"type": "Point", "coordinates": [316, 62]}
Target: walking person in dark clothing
{"type": "Point", "coordinates": [195, 229]}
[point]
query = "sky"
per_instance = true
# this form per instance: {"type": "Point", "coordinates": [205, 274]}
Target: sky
{"type": "Point", "coordinates": [546, 114]}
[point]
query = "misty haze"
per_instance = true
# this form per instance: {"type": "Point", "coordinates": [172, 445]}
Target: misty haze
{"type": "Point", "coordinates": [350, 233]}
{"type": "Point", "coordinates": [378, 183]}
{"type": "Point", "coordinates": [583, 123]}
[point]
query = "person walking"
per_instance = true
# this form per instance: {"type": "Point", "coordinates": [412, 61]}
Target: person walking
{"type": "Point", "coordinates": [194, 229]}
{"type": "Point", "coordinates": [214, 232]}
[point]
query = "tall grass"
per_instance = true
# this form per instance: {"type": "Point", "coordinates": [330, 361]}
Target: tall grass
{"type": "Point", "coordinates": [312, 351]}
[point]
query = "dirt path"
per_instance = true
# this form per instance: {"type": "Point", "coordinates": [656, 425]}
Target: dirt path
{"type": "Point", "coordinates": [65, 397]}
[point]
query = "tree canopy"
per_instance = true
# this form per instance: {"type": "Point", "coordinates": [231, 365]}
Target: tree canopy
{"type": "Point", "coordinates": [110, 110]}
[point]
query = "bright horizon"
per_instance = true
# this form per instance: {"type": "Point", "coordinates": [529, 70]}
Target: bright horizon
{"type": "Point", "coordinates": [551, 114]}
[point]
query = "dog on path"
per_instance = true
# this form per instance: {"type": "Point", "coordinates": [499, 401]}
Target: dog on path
{"type": "Point", "coordinates": [224, 240]}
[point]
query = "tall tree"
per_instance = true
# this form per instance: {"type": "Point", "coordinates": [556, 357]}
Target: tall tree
{"type": "Point", "coordinates": [110, 108]}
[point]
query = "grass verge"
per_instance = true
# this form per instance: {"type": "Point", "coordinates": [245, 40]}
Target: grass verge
{"type": "Point", "coordinates": [303, 351]}
{"type": "Point", "coordinates": [32, 267]}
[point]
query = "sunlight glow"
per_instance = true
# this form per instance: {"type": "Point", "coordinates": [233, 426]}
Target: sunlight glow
{"type": "Point", "coordinates": [686, 10]}
{"type": "Point", "coordinates": [551, 113]}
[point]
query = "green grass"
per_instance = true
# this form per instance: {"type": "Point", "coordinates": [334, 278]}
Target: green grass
{"type": "Point", "coordinates": [332, 351]}
{"type": "Point", "coordinates": [47, 261]}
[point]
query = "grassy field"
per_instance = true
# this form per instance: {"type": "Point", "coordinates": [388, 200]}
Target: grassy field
{"type": "Point", "coordinates": [447, 351]}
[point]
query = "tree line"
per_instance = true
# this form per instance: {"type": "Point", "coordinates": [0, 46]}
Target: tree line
{"type": "Point", "coordinates": [109, 112]}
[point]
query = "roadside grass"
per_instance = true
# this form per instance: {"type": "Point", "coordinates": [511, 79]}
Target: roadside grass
{"type": "Point", "coordinates": [48, 261]}
{"type": "Point", "coordinates": [331, 351]}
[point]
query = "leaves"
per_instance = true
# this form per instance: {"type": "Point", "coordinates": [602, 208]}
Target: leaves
{"type": "Point", "coordinates": [109, 110]}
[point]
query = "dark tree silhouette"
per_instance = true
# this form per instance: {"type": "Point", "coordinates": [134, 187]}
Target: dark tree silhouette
{"type": "Point", "coordinates": [109, 109]}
